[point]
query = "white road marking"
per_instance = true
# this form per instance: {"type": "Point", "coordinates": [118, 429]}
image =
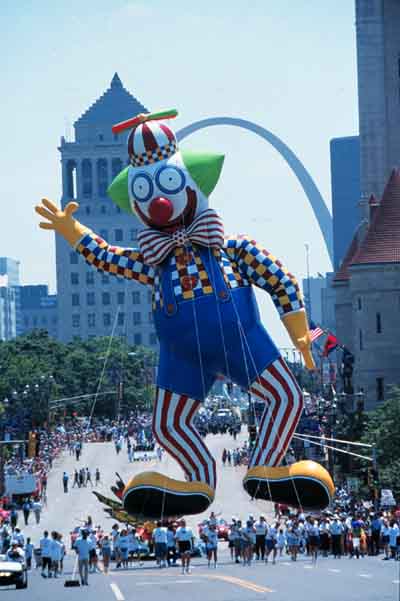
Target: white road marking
{"type": "Point", "coordinates": [308, 567]}
{"type": "Point", "coordinates": [334, 570]}
{"type": "Point", "coordinates": [116, 590]}
{"type": "Point", "coordinates": [396, 581]}
{"type": "Point", "coordinates": [155, 582]}
{"type": "Point", "coordinates": [365, 575]}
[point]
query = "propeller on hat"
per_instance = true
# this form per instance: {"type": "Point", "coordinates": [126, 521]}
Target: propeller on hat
{"type": "Point", "coordinates": [142, 118]}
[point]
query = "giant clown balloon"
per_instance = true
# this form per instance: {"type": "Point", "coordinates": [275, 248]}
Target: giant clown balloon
{"type": "Point", "coordinates": [207, 322]}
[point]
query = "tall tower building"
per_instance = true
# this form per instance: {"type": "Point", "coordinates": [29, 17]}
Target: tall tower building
{"type": "Point", "coordinates": [378, 56]}
{"type": "Point", "coordinates": [91, 303]}
{"type": "Point", "coordinates": [345, 182]}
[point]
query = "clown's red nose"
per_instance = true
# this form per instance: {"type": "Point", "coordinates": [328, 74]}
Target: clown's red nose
{"type": "Point", "coordinates": [160, 210]}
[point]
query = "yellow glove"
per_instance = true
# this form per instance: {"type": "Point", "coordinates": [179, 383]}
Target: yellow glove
{"type": "Point", "coordinates": [61, 221]}
{"type": "Point", "coordinates": [297, 327]}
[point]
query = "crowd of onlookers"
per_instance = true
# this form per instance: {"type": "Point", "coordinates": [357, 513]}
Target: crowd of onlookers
{"type": "Point", "coordinates": [236, 456]}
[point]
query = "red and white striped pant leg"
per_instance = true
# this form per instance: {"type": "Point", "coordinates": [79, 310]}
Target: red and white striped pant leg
{"type": "Point", "coordinates": [279, 389]}
{"type": "Point", "coordinates": [174, 430]}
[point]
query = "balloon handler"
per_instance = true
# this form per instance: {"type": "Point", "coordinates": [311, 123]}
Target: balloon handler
{"type": "Point", "coordinates": [207, 322]}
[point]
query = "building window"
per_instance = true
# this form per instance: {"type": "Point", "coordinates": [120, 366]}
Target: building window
{"type": "Point", "coordinates": [103, 209]}
{"type": "Point", "coordinates": [118, 209]}
{"type": "Point", "coordinates": [119, 235]}
{"type": "Point", "coordinates": [75, 300]}
{"type": "Point", "coordinates": [102, 177]}
{"type": "Point", "coordinates": [151, 317]}
{"type": "Point", "coordinates": [116, 167]}
{"type": "Point", "coordinates": [115, 137]}
{"type": "Point", "coordinates": [87, 210]}
{"type": "Point", "coordinates": [106, 298]}
{"type": "Point", "coordinates": [90, 298]}
{"type": "Point", "coordinates": [137, 318]}
{"type": "Point", "coordinates": [35, 321]}
{"type": "Point", "coordinates": [133, 234]}
{"type": "Point", "coordinates": [105, 278]}
{"type": "Point", "coordinates": [121, 319]}
{"type": "Point", "coordinates": [90, 278]}
{"type": "Point", "coordinates": [70, 173]}
{"type": "Point", "coordinates": [378, 323]}
{"type": "Point", "coordinates": [359, 303]}
{"type": "Point", "coordinates": [91, 320]}
{"type": "Point", "coordinates": [106, 319]}
{"type": "Point", "coordinates": [153, 338]}
{"type": "Point", "coordinates": [137, 339]}
{"type": "Point", "coordinates": [360, 336]}
{"type": "Point", "coordinates": [87, 178]}
{"type": "Point", "coordinates": [136, 297]}
{"type": "Point", "coordinates": [120, 298]}
{"type": "Point", "coordinates": [26, 321]}
{"type": "Point", "coordinates": [73, 258]}
{"type": "Point", "coordinates": [380, 389]}
{"type": "Point", "coordinates": [101, 137]}
{"type": "Point", "coordinates": [76, 320]}
{"type": "Point", "coordinates": [75, 278]}
{"type": "Point", "coordinates": [149, 296]}
{"type": "Point", "coordinates": [104, 234]}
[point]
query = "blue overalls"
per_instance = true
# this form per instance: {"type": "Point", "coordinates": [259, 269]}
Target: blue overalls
{"type": "Point", "coordinates": [212, 334]}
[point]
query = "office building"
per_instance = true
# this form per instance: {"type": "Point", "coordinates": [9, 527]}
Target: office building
{"type": "Point", "coordinates": [91, 303]}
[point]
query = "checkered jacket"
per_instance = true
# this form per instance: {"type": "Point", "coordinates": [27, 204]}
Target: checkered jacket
{"type": "Point", "coordinates": [242, 260]}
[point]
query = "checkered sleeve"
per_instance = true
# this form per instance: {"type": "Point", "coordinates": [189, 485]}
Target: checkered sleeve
{"type": "Point", "coordinates": [265, 271]}
{"type": "Point", "coordinates": [123, 262]}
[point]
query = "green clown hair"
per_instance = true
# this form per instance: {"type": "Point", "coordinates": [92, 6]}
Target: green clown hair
{"type": "Point", "coordinates": [204, 168]}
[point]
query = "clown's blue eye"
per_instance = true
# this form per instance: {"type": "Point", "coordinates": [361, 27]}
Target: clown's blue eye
{"type": "Point", "coordinates": [142, 187]}
{"type": "Point", "coordinates": [170, 180]}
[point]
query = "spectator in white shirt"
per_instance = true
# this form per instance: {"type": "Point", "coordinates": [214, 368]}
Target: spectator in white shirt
{"type": "Point", "coordinates": [212, 544]}
{"type": "Point", "coordinates": [184, 537]}
{"type": "Point", "coordinates": [261, 527]}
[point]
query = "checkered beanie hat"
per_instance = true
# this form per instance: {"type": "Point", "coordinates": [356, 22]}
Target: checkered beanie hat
{"type": "Point", "coordinates": [150, 142]}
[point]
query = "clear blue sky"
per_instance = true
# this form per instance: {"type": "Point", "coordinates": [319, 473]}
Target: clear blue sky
{"type": "Point", "coordinates": [289, 65]}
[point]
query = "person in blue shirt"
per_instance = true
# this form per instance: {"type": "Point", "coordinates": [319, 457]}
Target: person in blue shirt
{"type": "Point", "coordinates": [376, 527]}
{"type": "Point", "coordinates": [82, 548]}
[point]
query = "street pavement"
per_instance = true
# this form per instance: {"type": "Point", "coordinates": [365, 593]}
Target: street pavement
{"type": "Point", "coordinates": [367, 579]}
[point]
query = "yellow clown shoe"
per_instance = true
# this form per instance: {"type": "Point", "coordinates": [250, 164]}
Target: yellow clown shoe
{"type": "Point", "coordinates": [153, 495]}
{"type": "Point", "coordinates": [303, 484]}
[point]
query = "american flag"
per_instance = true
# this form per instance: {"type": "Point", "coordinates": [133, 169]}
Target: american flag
{"type": "Point", "coordinates": [315, 331]}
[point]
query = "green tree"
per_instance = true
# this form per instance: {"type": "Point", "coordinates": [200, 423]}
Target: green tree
{"type": "Point", "coordinates": [35, 370]}
{"type": "Point", "coordinates": [383, 431]}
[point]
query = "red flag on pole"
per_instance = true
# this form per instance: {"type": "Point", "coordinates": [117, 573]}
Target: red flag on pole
{"type": "Point", "coordinates": [330, 344]}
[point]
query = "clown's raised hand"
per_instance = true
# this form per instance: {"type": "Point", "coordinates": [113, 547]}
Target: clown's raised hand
{"type": "Point", "coordinates": [61, 221]}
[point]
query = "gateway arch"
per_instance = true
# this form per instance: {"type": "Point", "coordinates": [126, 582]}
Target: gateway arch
{"type": "Point", "coordinates": [317, 203]}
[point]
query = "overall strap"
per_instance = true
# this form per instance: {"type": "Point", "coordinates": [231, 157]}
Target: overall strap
{"type": "Point", "coordinates": [215, 274]}
{"type": "Point", "coordinates": [170, 306]}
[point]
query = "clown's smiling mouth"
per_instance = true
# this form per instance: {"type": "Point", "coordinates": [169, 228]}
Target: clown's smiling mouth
{"type": "Point", "coordinates": [184, 219]}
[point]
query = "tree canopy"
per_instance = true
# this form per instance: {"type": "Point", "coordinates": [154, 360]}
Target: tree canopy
{"type": "Point", "coordinates": [383, 431]}
{"type": "Point", "coordinates": [36, 370]}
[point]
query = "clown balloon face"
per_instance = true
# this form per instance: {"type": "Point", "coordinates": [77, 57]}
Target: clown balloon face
{"type": "Point", "coordinates": [164, 187]}
{"type": "Point", "coordinates": [164, 194]}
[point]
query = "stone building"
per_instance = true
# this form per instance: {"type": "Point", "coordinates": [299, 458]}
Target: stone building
{"type": "Point", "coordinates": [90, 303]}
{"type": "Point", "coordinates": [8, 309]}
{"type": "Point", "coordinates": [368, 297]}
{"type": "Point", "coordinates": [378, 65]}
